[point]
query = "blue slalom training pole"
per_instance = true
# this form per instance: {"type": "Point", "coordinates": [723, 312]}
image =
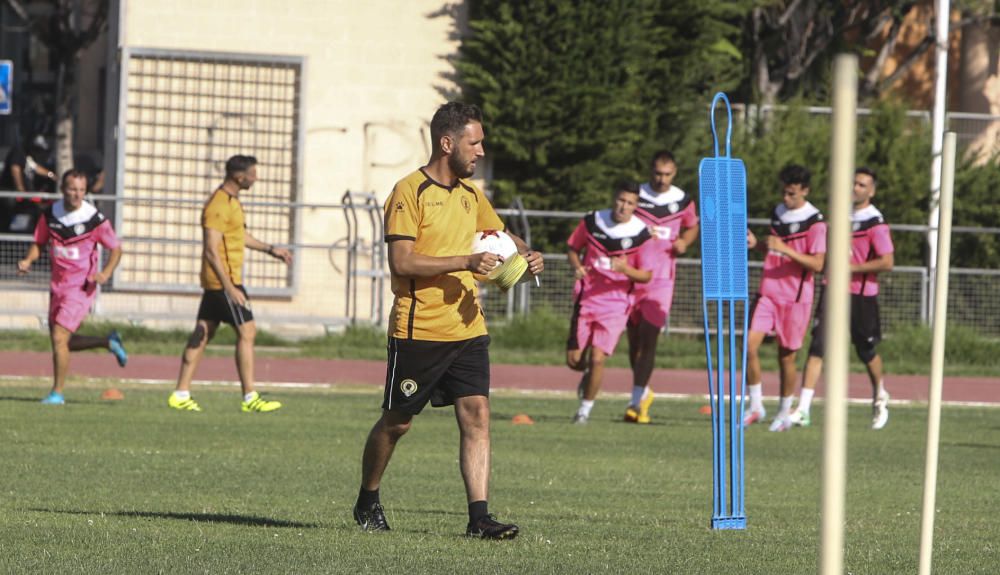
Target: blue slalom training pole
{"type": "Point", "coordinates": [723, 199]}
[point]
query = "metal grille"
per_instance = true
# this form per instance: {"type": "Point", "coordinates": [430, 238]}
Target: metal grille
{"type": "Point", "coordinates": [184, 114]}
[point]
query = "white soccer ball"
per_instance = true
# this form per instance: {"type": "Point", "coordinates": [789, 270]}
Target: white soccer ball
{"type": "Point", "coordinates": [495, 242]}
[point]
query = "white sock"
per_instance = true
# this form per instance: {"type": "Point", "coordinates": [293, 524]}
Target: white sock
{"type": "Point", "coordinates": [248, 397]}
{"type": "Point", "coordinates": [649, 392]}
{"type": "Point", "coordinates": [756, 396]}
{"type": "Point", "coordinates": [805, 399]}
{"type": "Point", "coordinates": [585, 406]}
{"type": "Point", "coordinates": [785, 405]}
{"type": "Point", "coordinates": [182, 395]}
{"type": "Point", "coordinates": [638, 393]}
{"type": "Point", "coordinates": [881, 388]}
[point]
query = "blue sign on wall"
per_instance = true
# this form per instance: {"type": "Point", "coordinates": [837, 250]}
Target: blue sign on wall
{"type": "Point", "coordinates": [6, 86]}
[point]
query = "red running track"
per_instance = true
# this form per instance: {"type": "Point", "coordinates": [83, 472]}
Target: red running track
{"type": "Point", "coordinates": [277, 370]}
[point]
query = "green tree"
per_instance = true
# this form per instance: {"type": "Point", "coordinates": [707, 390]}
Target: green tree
{"type": "Point", "coordinates": [578, 95]}
{"type": "Point", "coordinates": [789, 44]}
{"type": "Point", "coordinates": [897, 146]}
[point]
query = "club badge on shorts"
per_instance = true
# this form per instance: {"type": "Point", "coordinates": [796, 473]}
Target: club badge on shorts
{"type": "Point", "coordinates": [408, 387]}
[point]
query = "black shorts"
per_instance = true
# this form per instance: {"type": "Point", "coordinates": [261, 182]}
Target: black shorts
{"type": "Point", "coordinates": [866, 327]}
{"type": "Point", "coordinates": [216, 306]}
{"type": "Point", "coordinates": [435, 371]}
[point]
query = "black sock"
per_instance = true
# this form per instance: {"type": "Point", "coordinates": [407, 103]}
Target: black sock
{"type": "Point", "coordinates": [367, 498]}
{"type": "Point", "coordinates": [477, 509]}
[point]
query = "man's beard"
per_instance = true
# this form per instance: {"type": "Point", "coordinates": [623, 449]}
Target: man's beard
{"type": "Point", "coordinates": [459, 167]}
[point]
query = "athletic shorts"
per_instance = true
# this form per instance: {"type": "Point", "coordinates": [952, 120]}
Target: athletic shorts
{"type": "Point", "coordinates": [786, 320]}
{"type": "Point", "coordinates": [216, 306]}
{"type": "Point", "coordinates": [866, 326]}
{"type": "Point", "coordinates": [435, 371]}
{"type": "Point", "coordinates": [652, 303]}
{"type": "Point", "coordinates": [69, 308]}
{"type": "Point", "coordinates": [589, 330]}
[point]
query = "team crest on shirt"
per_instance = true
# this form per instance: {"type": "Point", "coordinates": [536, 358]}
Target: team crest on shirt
{"type": "Point", "coordinates": [626, 243]}
{"type": "Point", "coordinates": [408, 387]}
{"type": "Point", "coordinates": [466, 204]}
{"type": "Point", "coordinates": [673, 207]}
{"type": "Point", "coordinates": [856, 226]}
{"type": "Point", "coordinates": [79, 229]}
{"type": "Point", "coordinates": [793, 227]}
{"type": "Point", "coordinates": [400, 206]}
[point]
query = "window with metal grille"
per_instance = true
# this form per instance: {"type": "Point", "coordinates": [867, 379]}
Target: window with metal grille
{"type": "Point", "coordinates": [183, 114]}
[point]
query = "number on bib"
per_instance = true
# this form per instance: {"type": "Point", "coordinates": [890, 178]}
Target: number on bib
{"type": "Point", "coordinates": [67, 252]}
{"type": "Point", "coordinates": [661, 232]}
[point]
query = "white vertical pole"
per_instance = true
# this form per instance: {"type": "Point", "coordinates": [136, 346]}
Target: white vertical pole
{"type": "Point", "coordinates": [838, 273]}
{"type": "Point", "coordinates": [937, 356]}
{"type": "Point", "coordinates": [937, 133]}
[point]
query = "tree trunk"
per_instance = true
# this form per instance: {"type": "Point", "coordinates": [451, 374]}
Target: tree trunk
{"type": "Point", "coordinates": [64, 123]}
{"type": "Point", "coordinates": [64, 141]}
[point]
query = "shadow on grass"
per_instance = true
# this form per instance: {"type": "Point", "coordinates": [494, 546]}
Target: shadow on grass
{"type": "Point", "coordinates": [25, 399]}
{"type": "Point", "coordinates": [251, 520]}
{"type": "Point", "coordinates": [73, 401]}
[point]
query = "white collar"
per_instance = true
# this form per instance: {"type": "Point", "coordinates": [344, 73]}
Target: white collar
{"type": "Point", "coordinates": [77, 216]}
{"type": "Point", "coordinates": [616, 230]}
{"type": "Point", "coordinates": [674, 194]}
{"type": "Point", "coordinates": [866, 213]}
{"type": "Point", "coordinates": [802, 214]}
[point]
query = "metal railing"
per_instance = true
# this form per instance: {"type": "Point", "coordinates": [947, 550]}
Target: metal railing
{"type": "Point", "coordinates": [343, 279]}
{"type": "Point", "coordinates": [974, 297]}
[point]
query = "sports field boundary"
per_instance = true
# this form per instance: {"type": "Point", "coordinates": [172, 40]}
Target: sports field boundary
{"type": "Point", "coordinates": [308, 372]}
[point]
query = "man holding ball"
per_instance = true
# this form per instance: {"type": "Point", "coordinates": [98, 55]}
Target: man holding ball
{"type": "Point", "coordinates": [438, 345]}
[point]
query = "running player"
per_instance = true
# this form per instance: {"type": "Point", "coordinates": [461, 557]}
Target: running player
{"type": "Point", "coordinates": [871, 254]}
{"type": "Point", "coordinates": [73, 228]}
{"type": "Point", "coordinates": [605, 252]}
{"type": "Point", "coordinates": [670, 215]}
{"type": "Point", "coordinates": [796, 249]}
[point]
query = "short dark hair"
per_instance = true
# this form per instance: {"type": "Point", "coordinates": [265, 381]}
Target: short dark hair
{"type": "Point", "coordinates": [239, 163]}
{"type": "Point", "coordinates": [74, 173]}
{"type": "Point", "coordinates": [451, 118]}
{"type": "Point", "coordinates": [868, 172]}
{"type": "Point", "coordinates": [626, 186]}
{"type": "Point", "coordinates": [795, 174]}
{"type": "Point", "coordinates": [662, 156]}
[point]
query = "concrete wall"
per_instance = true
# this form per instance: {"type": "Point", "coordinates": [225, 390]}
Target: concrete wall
{"type": "Point", "coordinates": [375, 72]}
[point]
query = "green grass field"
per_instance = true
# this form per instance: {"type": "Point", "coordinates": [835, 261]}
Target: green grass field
{"type": "Point", "coordinates": [132, 487]}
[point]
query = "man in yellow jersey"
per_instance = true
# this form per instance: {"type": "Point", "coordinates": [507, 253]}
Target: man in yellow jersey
{"type": "Point", "coordinates": [225, 300]}
{"type": "Point", "coordinates": [438, 346]}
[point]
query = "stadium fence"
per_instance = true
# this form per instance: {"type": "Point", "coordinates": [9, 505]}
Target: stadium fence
{"type": "Point", "coordinates": [344, 281]}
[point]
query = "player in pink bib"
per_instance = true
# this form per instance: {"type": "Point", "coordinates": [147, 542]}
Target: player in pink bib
{"type": "Point", "coordinates": [796, 249]}
{"type": "Point", "coordinates": [604, 253]}
{"type": "Point", "coordinates": [670, 215]}
{"type": "Point", "coordinates": [73, 228]}
{"type": "Point", "coordinates": [871, 254]}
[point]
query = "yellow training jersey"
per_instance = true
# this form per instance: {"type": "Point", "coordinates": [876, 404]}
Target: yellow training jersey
{"type": "Point", "coordinates": [224, 213]}
{"type": "Point", "coordinates": [441, 221]}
